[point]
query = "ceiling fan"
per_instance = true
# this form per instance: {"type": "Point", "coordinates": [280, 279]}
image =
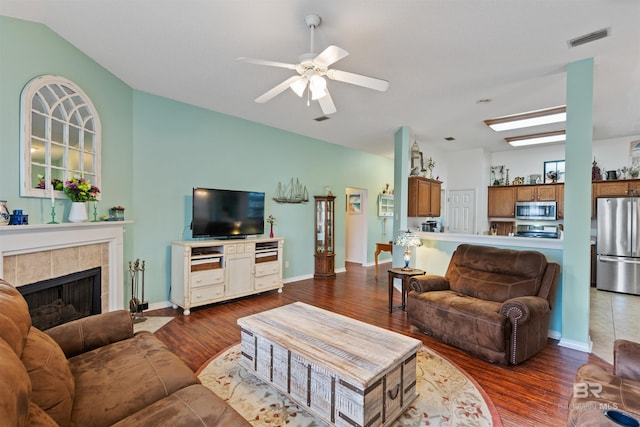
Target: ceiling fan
{"type": "Point", "coordinates": [312, 68]}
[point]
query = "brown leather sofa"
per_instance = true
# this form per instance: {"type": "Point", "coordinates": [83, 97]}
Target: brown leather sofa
{"type": "Point", "coordinates": [492, 302]}
{"type": "Point", "coordinates": [596, 390]}
{"type": "Point", "coordinates": [95, 371]}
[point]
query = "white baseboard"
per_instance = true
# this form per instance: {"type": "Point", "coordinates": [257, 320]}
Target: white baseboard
{"type": "Point", "coordinates": [554, 335]}
{"type": "Point", "coordinates": [576, 345]}
{"type": "Point", "coordinates": [297, 278]}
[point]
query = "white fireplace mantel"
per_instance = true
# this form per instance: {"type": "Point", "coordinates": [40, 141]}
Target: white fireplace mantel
{"type": "Point", "coordinates": [25, 239]}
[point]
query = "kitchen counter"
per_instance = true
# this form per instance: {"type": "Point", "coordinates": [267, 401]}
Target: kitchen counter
{"type": "Point", "coordinates": [484, 239]}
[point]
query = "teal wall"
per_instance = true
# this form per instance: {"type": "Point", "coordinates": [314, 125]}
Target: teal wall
{"type": "Point", "coordinates": [28, 50]}
{"type": "Point", "coordinates": [155, 150]}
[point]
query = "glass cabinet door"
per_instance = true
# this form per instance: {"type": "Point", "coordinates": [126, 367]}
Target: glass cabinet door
{"type": "Point", "coordinates": [321, 218]}
{"type": "Point", "coordinates": [324, 229]}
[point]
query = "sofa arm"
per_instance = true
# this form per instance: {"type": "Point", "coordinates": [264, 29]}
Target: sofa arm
{"type": "Point", "coordinates": [427, 283]}
{"type": "Point", "coordinates": [626, 359]}
{"type": "Point", "coordinates": [88, 333]}
{"type": "Point", "coordinates": [522, 309]}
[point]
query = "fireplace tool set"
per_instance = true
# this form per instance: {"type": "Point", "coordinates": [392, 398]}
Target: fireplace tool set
{"type": "Point", "coordinates": [137, 305]}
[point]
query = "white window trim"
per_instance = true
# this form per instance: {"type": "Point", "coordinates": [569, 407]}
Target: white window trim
{"type": "Point", "coordinates": [30, 90]}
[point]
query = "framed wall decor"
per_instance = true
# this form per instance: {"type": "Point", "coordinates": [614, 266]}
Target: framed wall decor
{"type": "Point", "coordinates": [634, 155]}
{"type": "Point", "coordinates": [353, 206]}
{"type": "Point", "coordinates": [554, 171]}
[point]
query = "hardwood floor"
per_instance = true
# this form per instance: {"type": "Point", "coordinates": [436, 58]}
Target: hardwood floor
{"type": "Point", "coordinates": [534, 393]}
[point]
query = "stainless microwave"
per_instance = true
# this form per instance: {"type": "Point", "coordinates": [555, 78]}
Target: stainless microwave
{"type": "Point", "coordinates": [536, 210]}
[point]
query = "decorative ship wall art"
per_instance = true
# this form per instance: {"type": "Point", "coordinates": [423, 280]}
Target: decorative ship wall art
{"type": "Point", "coordinates": [294, 192]}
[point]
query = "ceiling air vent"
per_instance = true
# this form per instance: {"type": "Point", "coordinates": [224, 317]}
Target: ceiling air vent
{"type": "Point", "coordinates": [588, 38]}
{"type": "Point", "coordinates": [321, 118]}
{"type": "Point", "coordinates": [449, 138]}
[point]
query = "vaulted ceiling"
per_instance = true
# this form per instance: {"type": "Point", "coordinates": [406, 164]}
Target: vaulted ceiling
{"type": "Point", "coordinates": [450, 63]}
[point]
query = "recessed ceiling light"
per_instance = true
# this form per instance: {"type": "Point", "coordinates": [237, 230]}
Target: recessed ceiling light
{"type": "Point", "coordinates": [528, 119]}
{"type": "Point", "coordinates": [537, 138]}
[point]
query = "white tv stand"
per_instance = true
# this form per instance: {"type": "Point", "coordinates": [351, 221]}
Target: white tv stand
{"type": "Point", "coordinates": [208, 271]}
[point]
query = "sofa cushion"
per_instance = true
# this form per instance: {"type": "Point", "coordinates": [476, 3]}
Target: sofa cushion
{"type": "Point", "coordinates": [15, 321]}
{"type": "Point", "coordinates": [495, 274]}
{"type": "Point", "coordinates": [15, 389]}
{"type": "Point", "coordinates": [39, 418]}
{"type": "Point", "coordinates": [463, 321]}
{"type": "Point", "coordinates": [117, 380]}
{"type": "Point", "coordinates": [51, 380]}
{"type": "Point", "coordinates": [192, 406]}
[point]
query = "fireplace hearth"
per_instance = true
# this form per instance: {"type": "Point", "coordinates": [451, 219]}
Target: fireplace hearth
{"type": "Point", "coordinates": [59, 300]}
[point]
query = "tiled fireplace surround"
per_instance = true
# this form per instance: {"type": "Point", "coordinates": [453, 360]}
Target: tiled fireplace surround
{"type": "Point", "coordinates": [32, 253]}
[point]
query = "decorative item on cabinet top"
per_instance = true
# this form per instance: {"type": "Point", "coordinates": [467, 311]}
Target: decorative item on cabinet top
{"type": "Point", "coordinates": [294, 192]}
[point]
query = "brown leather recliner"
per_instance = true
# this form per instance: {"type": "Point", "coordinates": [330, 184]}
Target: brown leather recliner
{"type": "Point", "coordinates": [492, 302]}
{"type": "Point", "coordinates": [596, 390]}
{"type": "Point", "coordinates": [95, 371]}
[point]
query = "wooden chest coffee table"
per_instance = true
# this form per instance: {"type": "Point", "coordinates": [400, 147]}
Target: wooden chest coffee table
{"type": "Point", "coordinates": [346, 372]}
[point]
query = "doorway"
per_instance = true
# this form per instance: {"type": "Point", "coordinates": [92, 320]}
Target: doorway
{"type": "Point", "coordinates": [356, 224]}
{"type": "Point", "coordinates": [461, 209]}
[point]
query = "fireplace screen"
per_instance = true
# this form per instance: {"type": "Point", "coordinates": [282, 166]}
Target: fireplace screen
{"type": "Point", "coordinates": [62, 299]}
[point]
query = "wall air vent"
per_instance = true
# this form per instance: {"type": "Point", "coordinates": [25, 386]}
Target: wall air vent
{"type": "Point", "coordinates": [588, 38]}
{"type": "Point", "coordinates": [321, 118]}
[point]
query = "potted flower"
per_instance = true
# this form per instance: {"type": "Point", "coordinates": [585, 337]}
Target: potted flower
{"type": "Point", "coordinates": [79, 190]}
{"type": "Point", "coordinates": [271, 220]}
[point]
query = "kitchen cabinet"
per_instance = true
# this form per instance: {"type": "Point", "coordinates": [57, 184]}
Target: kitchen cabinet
{"type": "Point", "coordinates": [424, 197]}
{"type": "Point", "coordinates": [501, 202]}
{"type": "Point", "coordinates": [560, 200]}
{"type": "Point", "coordinates": [619, 187]}
{"type": "Point", "coordinates": [536, 193]}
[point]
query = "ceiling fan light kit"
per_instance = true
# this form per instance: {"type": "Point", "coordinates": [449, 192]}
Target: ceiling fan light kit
{"type": "Point", "coordinates": [312, 69]}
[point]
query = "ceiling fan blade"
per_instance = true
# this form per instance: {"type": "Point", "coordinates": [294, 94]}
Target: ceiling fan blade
{"type": "Point", "coordinates": [268, 95]}
{"type": "Point", "coordinates": [327, 105]}
{"type": "Point", "coordinates": [266, 62]}
{"type": "Point", "coordinates": [329, 56]}
{"type": "Point", "coordinates": [358, 79]}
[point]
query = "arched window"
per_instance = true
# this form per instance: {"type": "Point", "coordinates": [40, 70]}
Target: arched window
{"type": "Point", "coordinates": [60, 139]}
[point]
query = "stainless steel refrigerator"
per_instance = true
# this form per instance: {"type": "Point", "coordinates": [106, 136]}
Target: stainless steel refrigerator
{"type": "Point", "coordinates": [618, 244]}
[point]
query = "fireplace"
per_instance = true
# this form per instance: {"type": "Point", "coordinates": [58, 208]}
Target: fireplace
{"type": "Point", "coordinates": [61, 299]}
{"type": "Point", "coordinates": [37, 252]}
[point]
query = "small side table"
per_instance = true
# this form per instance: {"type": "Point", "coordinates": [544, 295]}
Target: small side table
{"type": "Point", "coordinates": [405, 276]}
{"type": "Point", "coordinates": [381, 247]}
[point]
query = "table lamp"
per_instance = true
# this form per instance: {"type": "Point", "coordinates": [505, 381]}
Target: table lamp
{"type": "Point", "coordinates": [408, 241]}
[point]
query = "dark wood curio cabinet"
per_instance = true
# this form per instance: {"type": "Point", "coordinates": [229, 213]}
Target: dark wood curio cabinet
{"type": "Point", "coordinates": [324, 238]}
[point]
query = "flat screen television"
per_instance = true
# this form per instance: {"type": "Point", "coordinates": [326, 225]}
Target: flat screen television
{"type": "Point", "coordinates": [227, 213]}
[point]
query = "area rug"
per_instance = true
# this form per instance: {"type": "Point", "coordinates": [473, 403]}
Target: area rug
{"type": "Point", "coordinates": [447, 395]}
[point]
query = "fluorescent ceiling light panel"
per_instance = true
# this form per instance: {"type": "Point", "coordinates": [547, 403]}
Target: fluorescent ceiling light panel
{"type": "Point", "coordinates": [537, 138]}
{"type": "Point", "coordinates": [528, 119]}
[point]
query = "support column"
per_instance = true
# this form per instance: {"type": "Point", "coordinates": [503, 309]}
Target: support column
{"type": "Point", "coordinates": [400, 183]}
{"type": "Point", "coordinates": [575, 289]}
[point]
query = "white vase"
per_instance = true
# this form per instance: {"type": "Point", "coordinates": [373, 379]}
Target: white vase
{"type": "Point", "coordinates": [78, 212]}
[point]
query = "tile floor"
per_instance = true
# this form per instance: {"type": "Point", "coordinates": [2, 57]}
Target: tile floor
{"type": "Point", "coordinates": [612, 316]}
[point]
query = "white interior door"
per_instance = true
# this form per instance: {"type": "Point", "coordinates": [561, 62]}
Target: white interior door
{"type": "Point", "coordinates": [356, 226]}
{"type": "Point", "coordinates": [461, 218]}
